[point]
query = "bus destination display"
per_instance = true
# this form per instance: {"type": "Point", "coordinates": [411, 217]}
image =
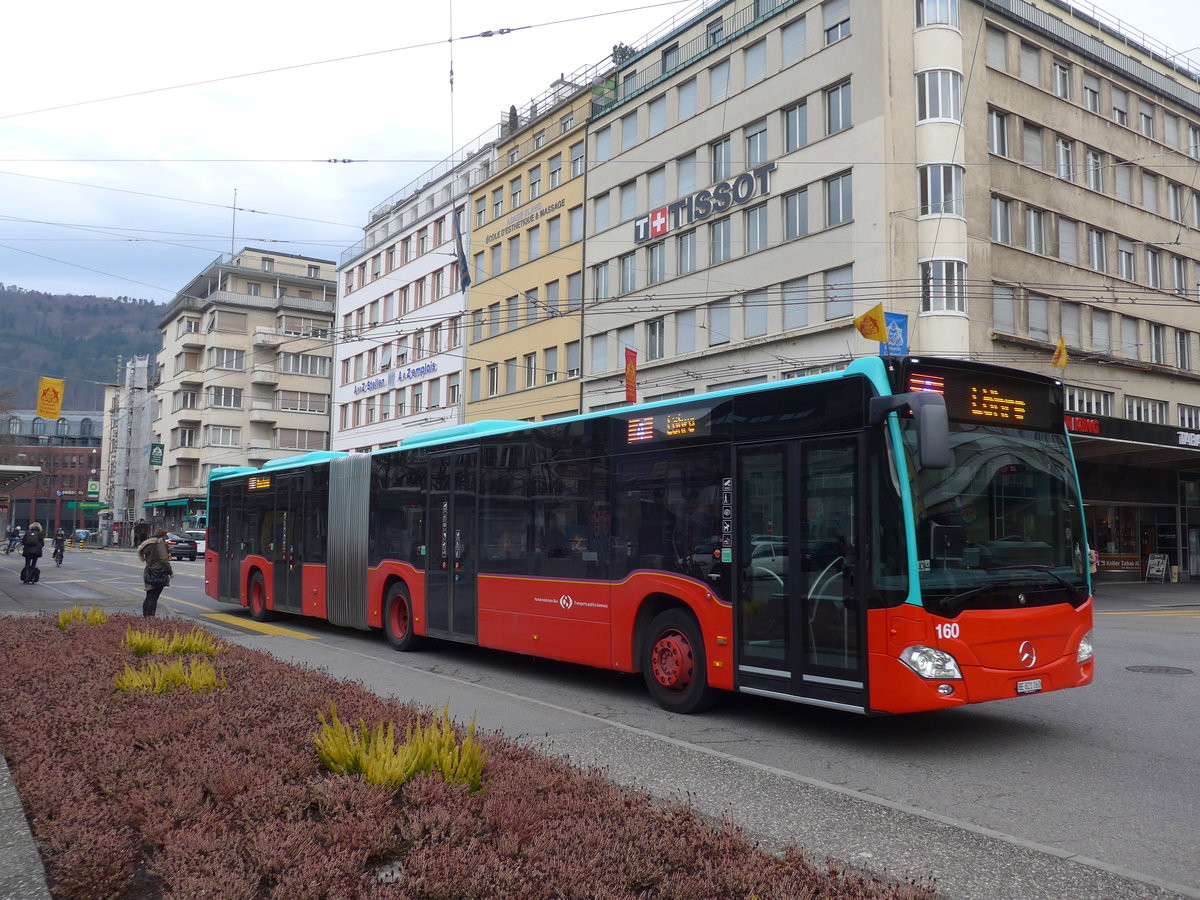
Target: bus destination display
{"type": "Point", "coordinates": [989, 400]}
{"type": "Point", "coordinates": [258, 482]}
{"type": "Point", "coordinates": [670, 425]}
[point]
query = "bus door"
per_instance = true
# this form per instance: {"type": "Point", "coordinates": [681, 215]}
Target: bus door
{"type": "Point", "coordinates": [800, 624]}
{"type": "Point", "coordinates": [230, 537]}
{"type": "Point", "coordinates": [453, 523]}
{"type": "Point", "coordinates": [287, 542]}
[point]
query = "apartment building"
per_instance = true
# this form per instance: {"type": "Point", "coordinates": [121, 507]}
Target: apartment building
{"type": "Point", "coordinates": [126, 476]}
{"type": "Point", "coordinates": [245, 373]}
{"type": "Point", "coordinates": [402, 306]}
{"type": "Point", "coordinates": [998, 175]}
{"type": "Point", "coordinates": [526, 251]}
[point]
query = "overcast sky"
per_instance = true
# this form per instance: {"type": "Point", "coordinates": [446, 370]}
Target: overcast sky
{"type": "Point", "coordinates": [133, 196]}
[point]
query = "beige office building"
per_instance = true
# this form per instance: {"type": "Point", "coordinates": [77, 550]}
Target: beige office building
{"type": "Point", "coordinates": [526, 251]}
{"type": "Point", "coordinates": [245, 373]}
{"type": "Point", "coordinates": [998, 175]}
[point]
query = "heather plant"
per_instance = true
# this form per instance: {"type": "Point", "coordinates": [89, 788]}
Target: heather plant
{"type": "Point", "coordinates": [94, 616]}
{"type": "Point", "coordinates": [145, 641]}
{"type": "Point", "coordinates": [135, 795]}
{"type": "Point", "coordinates": [158, 678]}
{"type": "Point", "coordinates": [372, 752]}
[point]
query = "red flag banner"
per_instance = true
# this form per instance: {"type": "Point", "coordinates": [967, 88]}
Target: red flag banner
{"type": "Point", "coordinates": [630, 375]}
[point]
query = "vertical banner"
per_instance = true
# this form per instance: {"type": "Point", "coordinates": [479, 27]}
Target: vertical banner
{"type": "Point", "coordinates": [50, 398]}
{"type": "Point", "coordinates": [630, 375]}
{"type": "Point", "coordinates": [897, 335]}
{"type": "Point", "coordinates": [156, 454]}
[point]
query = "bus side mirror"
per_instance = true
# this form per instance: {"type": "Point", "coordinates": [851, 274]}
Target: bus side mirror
{"type": "Point", "coordinates": [933, 425]}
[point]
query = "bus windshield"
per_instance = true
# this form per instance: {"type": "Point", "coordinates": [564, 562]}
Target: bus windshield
{"type": "Point", "coordinates": [1001, 527]}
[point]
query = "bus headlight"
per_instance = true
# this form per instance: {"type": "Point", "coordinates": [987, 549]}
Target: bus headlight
{"type": "Point", "coordinates": [1085, 649]}
{"type": "Point", "coordinates": [930, 663]}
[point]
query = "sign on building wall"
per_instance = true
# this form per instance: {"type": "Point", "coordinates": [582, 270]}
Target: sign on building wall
{"type": "Point", "coordinates": [156, 454]}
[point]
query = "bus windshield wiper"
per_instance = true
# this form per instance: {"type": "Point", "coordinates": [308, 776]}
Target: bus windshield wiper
{"type": "Point", "coordinates": [1047, 570]}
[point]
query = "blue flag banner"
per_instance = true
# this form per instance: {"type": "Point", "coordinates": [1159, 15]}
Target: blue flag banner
{"type": "Point", "coordinates": [897, 335]}
{"type": "Point", "coordinates": [464, 274]}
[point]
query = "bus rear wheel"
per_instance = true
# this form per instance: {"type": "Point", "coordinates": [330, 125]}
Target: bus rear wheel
{"type": "Point", "coordinates": [398, 619]}
{"type": "Point", "coordinates": [258, 598]}
{"type": "Point", "coordinates": [673, 663]}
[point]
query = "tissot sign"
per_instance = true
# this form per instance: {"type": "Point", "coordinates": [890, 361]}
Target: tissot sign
{"type": "Point", "coordinates": [702, 204]}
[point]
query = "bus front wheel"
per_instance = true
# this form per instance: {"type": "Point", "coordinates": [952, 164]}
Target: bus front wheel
{"type": "Point", "coordinates": [673, 663]}
{"type": "Point", "coordinates": [398, 619]}
{"type": "Point", "coordinates": [258, 598]}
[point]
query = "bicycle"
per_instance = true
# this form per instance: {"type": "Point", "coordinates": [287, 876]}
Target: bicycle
{"type": "Point", "coordinates": [58, 556]}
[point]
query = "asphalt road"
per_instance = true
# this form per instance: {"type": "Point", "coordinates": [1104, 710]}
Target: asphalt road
{"type": "Point", "coordinates": [1089, 793]}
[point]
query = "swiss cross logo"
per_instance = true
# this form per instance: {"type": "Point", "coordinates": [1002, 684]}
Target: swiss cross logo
{"type": "Point", "coordinates": [658, 221]}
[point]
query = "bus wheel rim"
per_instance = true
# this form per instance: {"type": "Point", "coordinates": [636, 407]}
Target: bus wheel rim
{"type": "Point", "coordinates": [673, 662]}
{"type": "Point", "coordinates": [399, 617]}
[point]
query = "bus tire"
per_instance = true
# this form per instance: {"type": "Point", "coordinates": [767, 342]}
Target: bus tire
{"type": "Point", "coordinates": [257, 592]}
{"type": "Point", "coordinates": [398, 619]}
{"type": "Point", "coordinates": [674, 665]}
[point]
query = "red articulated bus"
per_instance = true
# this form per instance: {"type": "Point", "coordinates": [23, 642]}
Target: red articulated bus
{"type": "Point", "coordinates": [901, 535]}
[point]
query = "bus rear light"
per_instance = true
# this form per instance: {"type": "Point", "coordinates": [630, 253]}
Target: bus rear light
{"type": "Point", "coordinates": [1085, 651]}
{"type": "Point", "coordinates": [930, 663]}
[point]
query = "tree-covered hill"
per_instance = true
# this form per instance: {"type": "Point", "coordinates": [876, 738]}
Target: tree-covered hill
{"type": "Point", "coordinates": [79, 339]}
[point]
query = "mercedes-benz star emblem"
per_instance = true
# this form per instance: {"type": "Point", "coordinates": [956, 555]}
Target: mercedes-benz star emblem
{"type": "Point", "coordinates": [1027, 653]}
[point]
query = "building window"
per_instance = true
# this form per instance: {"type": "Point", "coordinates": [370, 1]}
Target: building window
{"type": "Point", "coordinates": [756, 228]}
{"type": "Point", "coordinates": [1001, 220]}
{"type": "Point", "coordinates": [1064, 161]}
{"type": "Point", "coordinates": [1153, 268]}
{"type": "Point", "coordinates": [756, 306]}
{"type": "Point", "coordinates": [839, 199]}
{"type": "Point", "coordinates": [656, 263]}
{"type": "Point", "coordinates": [577, 160]}
{"type": "Point", "coordinates": [1146, 118]}
{"type": "Point", "coordinates": [1179, 280]}
{"type": "Point", "coordinates": [1143, 409]}
{"type": "Point", "coordinates": [836, 20]}
{"type": "Point", "coordinates": [1120, 106]}
{"type": "Point", "coordinates": [226, 397]}
{"type": "Point", "coordinates": [685, 331]}
{"type": "Point", "coordinates": [941, 190]}
{"type": "Point", "coordinates": [599, 347]}
{"type": "Point", "coordinates": [1158, 343]}
{"type": "Point", "coordinates": [551, 360]}
{"type": "Point", "coordinates": [600, 281]}
{"type": "Point", "coordinates": [944, 286]}
{"type": "Point", "coordinates": [756, 143]}
{"type": "Point", "coordinates": [1125, 259]}
{"type": "Point", "coordinates": [1087, 401]}
{"type": "Point", "coordinates": [1091, 92]}
{"type": "Point", "coordinates": [754, 60]}
{"type": "Point", "coordinates": [226, 358]}
{"type": "Point", "coordinates": [718, 82]}
{"type": "Point", "coordinates": [795, 214]}
{"type": "Point", "coordinates": [686, 99]}
{"type": "Point", "coordinates": [655, 338]}
{"type": "Point", "coordinates": [1062, 79]}
{"type": "Point", "coordinates": [1097, 256]}
{"type": "Point", "coordinates": [1189, 416]}
{"type": "Point", "coordinates": [838, 114]}
{"type": "Point", "coordinates": [937, 12]}
{"type": "Point", "coordinates": [1183, 349]}
{"type": "Point", "coordinates": [997, 132]}
{"type": "Point", "coordinates": [839, 293]}
{"type": "Point", "coordinates": [795, 126]}
{"type": "Point", "coordinates": [939, 95]}
{"type": "Point", "coordinates": [685, 252]}
{"type": "Point", "coordinates": [1003, 312]}
{"type": "Point", "coordinates": [627, 266]}
{"type": "Point", "coordinates": [715, 31]}
{"type": "Point", "coordinates": [718, 322]}
{"type": "Point", "coordinates": [722, 162]}
{"type": "Point", "coordinates": [657, 109]}
{"type": "Point", "coordinates": [719, 241]}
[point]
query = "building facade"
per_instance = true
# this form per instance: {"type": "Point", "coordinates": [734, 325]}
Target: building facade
{"type": "Point", "coordinates": [126, 476]}
{"type": "Point", "coordinates": [763, 174]}
{"type": "Point", "coordinates": [67, 450]}
{"type": "Point", "coordinates": [245, 373]}
{"type": "Point", "coordinates": [401, 308]}
{"type": "Point", "coordinates": [526, 252]}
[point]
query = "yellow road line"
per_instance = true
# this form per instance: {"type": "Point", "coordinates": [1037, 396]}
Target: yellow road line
{"type": "Point", "coordinates": [1190, 614]}
{"type": "Point", "coordinates": [260, 627]}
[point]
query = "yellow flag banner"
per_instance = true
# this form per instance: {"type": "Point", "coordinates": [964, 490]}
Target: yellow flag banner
{"type": "Point", "coordinates": [1059, 359]}
{"type": "Point", "coordinates": [872, 324]}
{"type": "Point", "coordinates": [50, 398]}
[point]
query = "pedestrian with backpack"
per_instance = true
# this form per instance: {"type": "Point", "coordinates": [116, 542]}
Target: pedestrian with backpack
{"type": "Point", "coordinates": [157, 573]}
{"type": "Point", "coordinates": [31, 547]}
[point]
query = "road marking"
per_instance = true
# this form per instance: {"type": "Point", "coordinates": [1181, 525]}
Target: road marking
{"type": "Point", "coordinates": [262, 628]}
{"type": "Point", "coordinates": [1188, 614]}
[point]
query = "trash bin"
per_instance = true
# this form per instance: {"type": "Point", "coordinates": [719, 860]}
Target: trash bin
{"type": "Point", "coordinates": [1174, 574]}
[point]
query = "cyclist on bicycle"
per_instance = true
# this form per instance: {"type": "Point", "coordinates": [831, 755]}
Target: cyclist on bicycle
{"type": "Point", "coordinates": [14, 538]}
{"type": "Point", "coordinates": [60, 544]}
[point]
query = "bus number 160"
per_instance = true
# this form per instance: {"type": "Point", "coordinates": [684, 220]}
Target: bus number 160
{"type": "Point", "coordinates": [948, 631]}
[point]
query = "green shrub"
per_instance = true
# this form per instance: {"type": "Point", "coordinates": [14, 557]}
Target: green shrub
{"type": "Point", "coordinates": [372, 752]}
{"type": "Point", "coordinates": [158, 678]}
{"type": "Point", "coordinates": [94, 616]}
{"type": "Point", "coordinates": [145, 641]}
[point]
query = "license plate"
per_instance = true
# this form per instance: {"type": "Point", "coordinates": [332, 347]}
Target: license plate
{"type": "Point", "coordinates": [1032, 686]}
